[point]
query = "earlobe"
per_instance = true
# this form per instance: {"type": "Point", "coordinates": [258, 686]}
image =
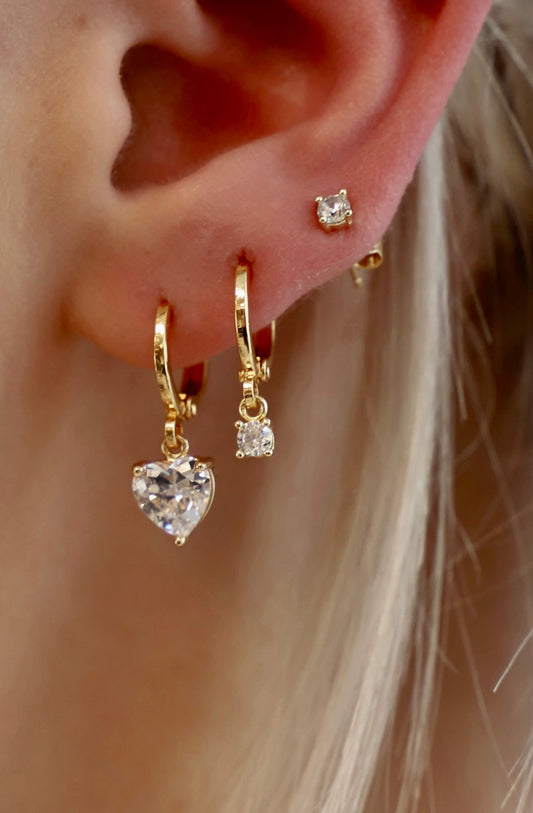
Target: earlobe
{"type": "Point", "coordinates": [230, 150]}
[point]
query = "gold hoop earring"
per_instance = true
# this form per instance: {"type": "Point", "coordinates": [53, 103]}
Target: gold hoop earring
{"type": "Point", "coordinates": [369, 262]}
{"type": "Point", "coordinates": [255, 437]}
{"type": "Point", "coordinates": [175, 494]}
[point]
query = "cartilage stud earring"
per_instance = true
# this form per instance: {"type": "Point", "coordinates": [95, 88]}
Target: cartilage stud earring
{"type": "Point", "coordinates": [334, 211]}
{"type": "Point", "coordinates": [175, 493]}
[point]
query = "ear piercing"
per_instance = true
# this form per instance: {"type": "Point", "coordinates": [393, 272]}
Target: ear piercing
{"type": "Point", "coordinates": [255, 437]}
{"type": "Point", "coordinates": [335, 211]}
{"type": "Point", "coordinates": [176, 493]}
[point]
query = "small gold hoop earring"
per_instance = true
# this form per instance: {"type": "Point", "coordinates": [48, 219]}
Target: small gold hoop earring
{"type": "Point", "coordinates": [176, 493]}
{"type": "Point", "coordinates": [369, 262]}
{"type": "Point", "coordinates": [180, 406]}
{"type": "Point", "coordinates": [255, 437]}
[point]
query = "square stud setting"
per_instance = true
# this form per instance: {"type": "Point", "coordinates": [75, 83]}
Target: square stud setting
{"type": "Point", "coordinates": [335, 211]}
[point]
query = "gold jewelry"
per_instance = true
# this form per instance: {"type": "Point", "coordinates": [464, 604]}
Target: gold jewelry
{"type": "Point", "coordinates": [255, 437]}
{"type": "Point", "coordinates": [335, 211]}
{"type": "Point", "coordinates": [370, 261]}
{"type": "Point", "coordinates": [175, 494]}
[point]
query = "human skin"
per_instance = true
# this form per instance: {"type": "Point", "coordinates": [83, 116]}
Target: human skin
{"type": "Point", "coordinates": [120, 685]}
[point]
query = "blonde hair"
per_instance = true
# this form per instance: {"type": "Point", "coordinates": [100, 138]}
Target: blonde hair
{"type": "Point", "coordinates": [371, 575]}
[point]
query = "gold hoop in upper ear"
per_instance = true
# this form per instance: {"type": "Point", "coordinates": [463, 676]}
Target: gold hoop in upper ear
{"type": "Point", "coordinates": [255, 437]}
{"type": "Point", "coordinates": [369, 262]}
{"type": "Point", "coordinates": [175, 494]}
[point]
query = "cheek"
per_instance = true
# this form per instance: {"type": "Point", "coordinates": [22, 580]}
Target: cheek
{"type": "Point", "coordinates": [70, 161]}
{"type": "Point", "coordinates": [64, 112]}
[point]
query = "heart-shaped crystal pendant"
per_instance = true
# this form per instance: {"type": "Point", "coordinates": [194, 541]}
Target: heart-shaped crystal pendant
{"type": "Point", "coordinates": [175, 494]}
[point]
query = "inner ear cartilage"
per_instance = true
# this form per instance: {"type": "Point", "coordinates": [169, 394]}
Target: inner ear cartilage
{"type": "Point", "coordinates": [334, 211]}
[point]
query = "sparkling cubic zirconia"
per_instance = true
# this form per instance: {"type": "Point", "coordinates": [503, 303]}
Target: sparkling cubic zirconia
{"type": "Point", "coordinates": [255, 439]}
{"type": "Point", "coordinates": [173, 495]}
{"type": "Point", "coordinates": [334, 210]}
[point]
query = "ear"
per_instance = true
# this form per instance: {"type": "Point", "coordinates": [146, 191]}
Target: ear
{"type": "Point", "coordinates": [243, 112]}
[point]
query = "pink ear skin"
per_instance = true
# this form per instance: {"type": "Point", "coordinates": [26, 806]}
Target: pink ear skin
{"type": "Point", "coordinates": [238, 124]}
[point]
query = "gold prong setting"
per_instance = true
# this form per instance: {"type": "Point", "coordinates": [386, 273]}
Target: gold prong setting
{"type": "Point", "coordinates": [255, 438]}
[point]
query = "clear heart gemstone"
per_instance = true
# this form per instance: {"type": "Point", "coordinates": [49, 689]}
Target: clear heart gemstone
{"type": "Point", "coordinates": [174, 494]}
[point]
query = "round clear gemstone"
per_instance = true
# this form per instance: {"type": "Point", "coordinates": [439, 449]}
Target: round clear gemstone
{"type": "Point", "coordinates": [173, 494]}
{"type": "Point", "coordinates": [255, 439]}
{"type": "Point", "coordinates": [334, 210]}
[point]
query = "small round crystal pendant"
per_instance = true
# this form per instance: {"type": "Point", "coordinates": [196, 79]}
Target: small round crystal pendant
{"type": "Point", "coordinates": [254, 438]}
